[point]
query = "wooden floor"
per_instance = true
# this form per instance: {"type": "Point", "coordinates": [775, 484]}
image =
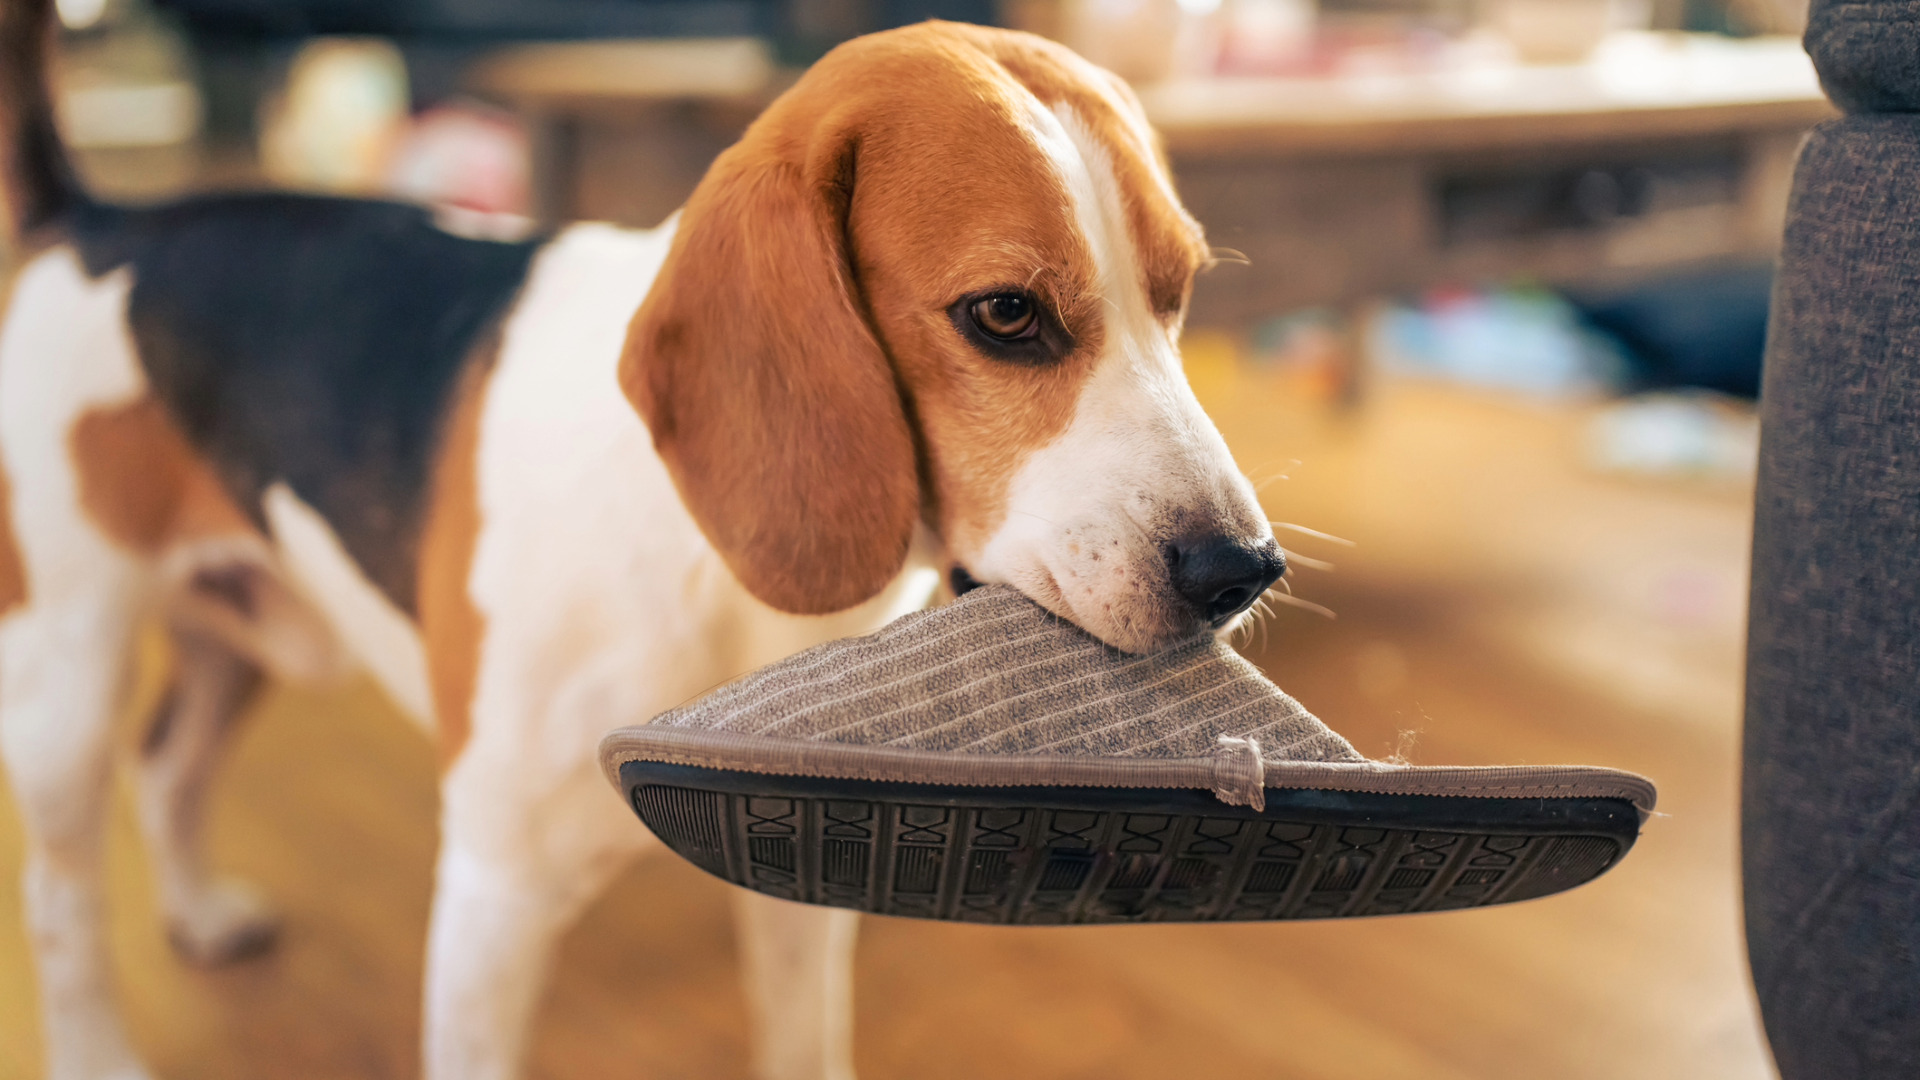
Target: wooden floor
{"type": "Point", "coordinates": [1501, 607]}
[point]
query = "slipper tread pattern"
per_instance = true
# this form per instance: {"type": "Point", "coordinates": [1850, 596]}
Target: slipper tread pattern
{"type": "Point", "coordinates": [1051, 856]}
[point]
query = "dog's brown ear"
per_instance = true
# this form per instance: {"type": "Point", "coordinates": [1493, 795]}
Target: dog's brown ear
{"type": "Point", "coordinates": [765, 389]}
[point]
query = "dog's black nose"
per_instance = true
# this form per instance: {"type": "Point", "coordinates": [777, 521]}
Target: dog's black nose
{"type": "Point", "coordinates": [1222, 576]}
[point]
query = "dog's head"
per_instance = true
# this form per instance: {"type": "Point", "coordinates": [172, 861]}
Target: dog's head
{"type": "Point", "coordinates": [943, 279]}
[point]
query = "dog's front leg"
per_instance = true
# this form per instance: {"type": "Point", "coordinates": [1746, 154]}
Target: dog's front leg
{"type": "Point", "coordinates": [522, 852]}
{"type": "Point", "coordinates": [494, 927]}
{"type": "Point", "coordinates": [797, 961]}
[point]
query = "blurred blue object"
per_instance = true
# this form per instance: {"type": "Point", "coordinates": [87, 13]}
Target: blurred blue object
{"type": "Point", "coordinates": [1527, 340]}
{"type": "Point", "coordinates": [1704, 328]}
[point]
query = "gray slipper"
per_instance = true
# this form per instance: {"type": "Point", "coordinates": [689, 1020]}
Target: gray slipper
{"type": "Point", "coordinates": [987, 761]}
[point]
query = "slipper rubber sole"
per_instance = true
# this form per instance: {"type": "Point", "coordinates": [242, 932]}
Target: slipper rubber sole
{"type": "Point", "coordinates": [1089, 855]}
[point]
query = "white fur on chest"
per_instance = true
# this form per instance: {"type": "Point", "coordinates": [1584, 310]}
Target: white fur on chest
{"type": "Point", "coordinates": [586, 564]}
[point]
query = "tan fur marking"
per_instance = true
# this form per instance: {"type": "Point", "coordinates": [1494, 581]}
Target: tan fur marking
{"type": "Point", "coordinates": [451, 628]}
{"type": "Point", "coordinates": [13, 575]}
{"type": "Point", "coordinates": [142, 483]}
{"type": "Point", "coordinates": [144, 487]}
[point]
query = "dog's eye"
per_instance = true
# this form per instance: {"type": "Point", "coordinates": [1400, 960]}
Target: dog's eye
{"type": "Point", "coordinates": [1009, 324]}
{"type": "Point", "coordinates": [1007, 316]}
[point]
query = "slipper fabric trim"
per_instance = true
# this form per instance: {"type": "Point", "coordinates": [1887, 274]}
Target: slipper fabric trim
{"type": "Point", "coordinates": [1229, 772]}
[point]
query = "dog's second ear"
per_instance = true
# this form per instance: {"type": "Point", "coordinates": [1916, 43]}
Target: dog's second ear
{"type": "Point", "coordinates": [766, 392]}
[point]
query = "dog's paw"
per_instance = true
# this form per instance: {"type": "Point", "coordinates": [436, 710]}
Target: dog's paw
{"type": "Point", "coordinates": [225, 921]}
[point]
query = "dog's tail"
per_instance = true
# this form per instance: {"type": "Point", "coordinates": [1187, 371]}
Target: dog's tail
{"type": "Point", "coordinates": [37, 180]}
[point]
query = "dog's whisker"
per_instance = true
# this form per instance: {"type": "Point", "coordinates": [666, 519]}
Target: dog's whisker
{"type": "Point", "coordinates": [1305, 605]}
{"type": "Point", "coordinates": [1216, 256]}
{"type": "Point", "coordinates": [1269, 481]}
{"type": "Point", "coordinates": [1252, 626]}
{"type": "Point", "coordinates": [1280, 583]}
{"type": "Point", "coordinates": [1282, 474]}
{"type": "Point", "coordinates": [1315, 533]}
{"type": "Point", "coordinates": [1294, 559]}
{"type": "Point", "coordinates": [1264, 620]}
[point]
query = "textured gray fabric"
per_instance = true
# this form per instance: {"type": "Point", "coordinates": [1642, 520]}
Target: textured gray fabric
{"type": "Point", "coordinates": [993, 691]}
{"type": "Point", "coordinates": [1867, 52]}
{"type": "Point", "coordinates": [1831, 815]}
{"type": "Point", "coordinates": [994, 673]}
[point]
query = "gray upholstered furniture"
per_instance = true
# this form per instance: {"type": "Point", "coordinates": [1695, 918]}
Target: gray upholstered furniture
{"type": "Point", "coordinates": [1832, 773]}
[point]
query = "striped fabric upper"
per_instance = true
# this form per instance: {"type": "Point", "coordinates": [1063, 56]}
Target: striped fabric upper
{"type": "Point", "coordinates": [994, 673]}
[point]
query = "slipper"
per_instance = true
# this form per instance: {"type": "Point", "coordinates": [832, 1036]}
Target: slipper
{"type": "Point", "coordinates": [987, 761]}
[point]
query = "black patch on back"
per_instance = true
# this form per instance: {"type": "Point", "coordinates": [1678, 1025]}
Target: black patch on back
{"type": "Point", "coordinates": [314, 341]}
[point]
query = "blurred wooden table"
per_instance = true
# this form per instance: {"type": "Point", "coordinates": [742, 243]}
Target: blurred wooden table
{"type": "Point", "coordinates": [1636, 87]}
{"type": "Point", "coordinates": [623, 130]}
{"type": "Point", "coordinates": [1503, 606]}
{"type": "Point", "coordinates": [1664, 151]}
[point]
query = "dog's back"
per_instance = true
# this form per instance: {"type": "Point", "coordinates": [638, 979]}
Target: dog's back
{"type": "Point", "coordinates": [309, 341]}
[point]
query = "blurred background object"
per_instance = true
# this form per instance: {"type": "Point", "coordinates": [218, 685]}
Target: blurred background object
{"type": "Point", "coordinates": [1491, 292]}
{"type": "Point", "coordinates": [1563, 31]}
{"type": "Point", "coordinates": [466, 156]}
{"type": "Point", "coordinates": [1525, 340]}
{"type": "Point", "coordinates": [339, 119]}
{"type": "Point", "coordinates": [1695, 434]}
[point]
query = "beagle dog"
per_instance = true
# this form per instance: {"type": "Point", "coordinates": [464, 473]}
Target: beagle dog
{"type": "Point", "coordinates": [923, 318]}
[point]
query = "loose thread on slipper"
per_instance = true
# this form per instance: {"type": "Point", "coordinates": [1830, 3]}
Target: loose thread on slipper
{"type": "Point", "coordinates": [1403, 747]}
